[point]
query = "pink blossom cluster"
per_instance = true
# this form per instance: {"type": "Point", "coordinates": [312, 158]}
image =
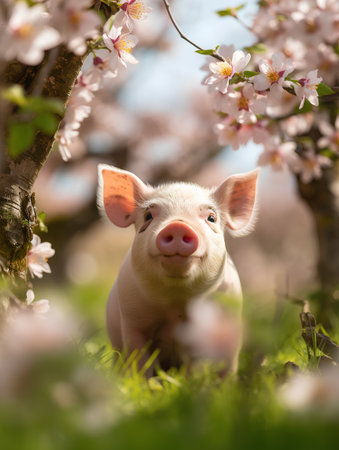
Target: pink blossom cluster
{"type": "Point", "coordinates": [30, 30]}
{"type": "Point", "coordinates": [268, 98]}
{"type": "Point", "coordinates": [78, 108]}
{"type": "Point", "coordinates": [112, 57]}
{"type": "Point", "coordinates": [33, 28]}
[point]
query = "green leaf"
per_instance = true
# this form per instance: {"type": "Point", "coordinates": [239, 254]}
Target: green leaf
{"type": "Point", "coordinates": [42, 225]}
{"type": "Point", "coordinates": [328, 152]}
{"type": "Point", "coordinates": [323, 89]}
{"type": "Point", "coordinates": [237, 78]}
{"type": "Point", "coordinates": [40, 104]}
{"type": "Point", "coordinates": [305, 109]}
{"type": "Point", "coordinates": [15, 94]}
{"type": "Point", "coordinates": [46, 122]}
{"type": "Point", "coordinates": [20, 138]}
{"type": "Point", "coordinates": [205, 52]}
{"type": "Point", "coordinates": [230, 11]}
{"type": "Point", "coordinates": [257, 48]}
{"type": "Point", "coordinates": [250, 73]}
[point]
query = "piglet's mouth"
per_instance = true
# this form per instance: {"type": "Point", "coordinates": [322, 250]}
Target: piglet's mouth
{"type": "Point", "coordinates": [178, 265]}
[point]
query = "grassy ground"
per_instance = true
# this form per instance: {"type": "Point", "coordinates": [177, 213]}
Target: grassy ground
{"type": "Point", "coordinates": [75, 398]}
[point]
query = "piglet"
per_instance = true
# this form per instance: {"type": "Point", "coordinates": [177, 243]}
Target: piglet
{"type": "Point", "coordinates": [178, 256]}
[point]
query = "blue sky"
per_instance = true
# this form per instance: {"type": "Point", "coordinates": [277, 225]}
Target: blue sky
{"type": "Point", "coordinates": [164, 80]}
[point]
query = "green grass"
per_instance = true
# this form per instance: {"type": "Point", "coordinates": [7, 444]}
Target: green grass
{"type": "Point", "coordinates": [77, 399]}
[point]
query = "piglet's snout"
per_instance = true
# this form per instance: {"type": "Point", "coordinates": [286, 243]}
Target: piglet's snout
{"type": "Point", "coordinates": [177, 238]}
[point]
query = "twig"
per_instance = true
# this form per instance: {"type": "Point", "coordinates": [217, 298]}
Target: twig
{"type": "Point", "coordinates": [242, 23]}
{"type": "Point", "coordinates": [304, 303]}
{"type": "Point", "coordinates": [181, 34]}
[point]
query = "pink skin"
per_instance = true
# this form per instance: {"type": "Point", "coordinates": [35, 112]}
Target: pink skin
{"type": "Point", "coordinates": [176, 243]}
{"type": "Point", "coordinates": [178, 255]}
{"type": "Point", "coordinates": [177, 238]}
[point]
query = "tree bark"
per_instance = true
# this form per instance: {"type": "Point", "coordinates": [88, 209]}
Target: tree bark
{"type": "Point", "coordinates": [17, 211]}
{"type": "Point", "coordinates": [322, 197]}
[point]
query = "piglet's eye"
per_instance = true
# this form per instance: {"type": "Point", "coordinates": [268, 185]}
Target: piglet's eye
{"type": "Point", "coordinates": [147, 221]}
{"type": "Point", "coordinates": [212, 218]}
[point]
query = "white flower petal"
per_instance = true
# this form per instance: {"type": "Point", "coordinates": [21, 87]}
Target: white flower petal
{"type": "Point", "coordinates": [29, 296]}
{"type": "Point", "coordinates": [260, 82]}
{"type": "Point", "coordinates": [108, 41]}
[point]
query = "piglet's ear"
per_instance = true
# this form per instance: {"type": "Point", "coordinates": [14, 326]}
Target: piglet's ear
{"type": "Point", "coordinates": [237, 198]}
{"type": "Point", "coordinates": [118, 193]}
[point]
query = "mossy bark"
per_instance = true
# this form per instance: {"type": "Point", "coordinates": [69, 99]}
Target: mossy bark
{"type": "Point", "coordinates": [17, 209]}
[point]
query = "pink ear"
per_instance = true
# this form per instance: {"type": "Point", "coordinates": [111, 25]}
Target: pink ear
{"type": "Point", "coordinates": [236, 196]}
{"type": "Point", "coordinates": [118, 193]}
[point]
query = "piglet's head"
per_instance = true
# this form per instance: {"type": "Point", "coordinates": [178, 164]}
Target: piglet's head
{"type": "Point", "coordinates": [180, 227]}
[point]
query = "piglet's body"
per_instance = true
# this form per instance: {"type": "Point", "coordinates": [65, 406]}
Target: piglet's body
{"type": "Point", "coordinates": [178, 255]}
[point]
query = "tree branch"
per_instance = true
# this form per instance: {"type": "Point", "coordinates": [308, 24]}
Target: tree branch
{"type": "Point", "coordinates": [181, 34]}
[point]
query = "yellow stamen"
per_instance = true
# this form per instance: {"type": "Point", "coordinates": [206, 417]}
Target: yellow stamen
{"type": "Point", "coordinates": [24, 31]}
{"type": "Point", "coordinates": [273, 76]}
{"type": "Point", "coordinates": [74, 18]}
{"type": "Point", "coordinates": [275, 158]}
{"type": "Point", "coordinates": [243, 103]}
{"type": "Point", "coordinates": [224, 68]}
{"type": "Point", "coordinates": [311, 26]}
{"type": "Point", "coordinates": [124, 45]}
{"type": "Point", "coordinates": [310, 164]}
{"type": "Point", "coordinates": [136, 10]}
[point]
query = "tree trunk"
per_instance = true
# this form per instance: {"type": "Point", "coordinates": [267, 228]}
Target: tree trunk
{"type": "Point", "coordinates": [322, 197]}
{"type": "Point", "coordinates": [56, 77]}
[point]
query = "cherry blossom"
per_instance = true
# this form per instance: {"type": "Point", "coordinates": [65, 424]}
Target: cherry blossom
{"type": "Point", "coordinates": [260, 106]}
{"type": "Point", "coordinates": [78, 109]}
{"type": "Point", "coordinates": [101, 71]}
{"type": "Point", "coordinates": [280, 102]}
{"type": "Point", "coordinates": [223, 71]}
{"type": "Point", "coordinates": [279, 156]}
{"type": "Point", "coordinates": [310, 165]}
{"type": "Point", "coordinates": [273, 72]}
{"type": "Point", "coordinates": [230, 132]}
{"type": "Point", "coordinates": [308, 88]}
{"type": "Point", "coordinates": [65, 137]}
{"type": "Point", "coordinates": [120, 46]}
{"type": "Point", "coordinates": [37, 257]}
{"type": "Point", "coordinates": [316, 391]}
{"type": "Point", "coordinates": [260, 132]}
{"type": "Point", "coordinates": [242, 104]}
{"type": "Point", "coordinates": [75, 23]}
{"type": "Point", "coordinates": [298, 124]}
{"type": "Point", "coordinates": [39, 306]}
{"type": "Point", "coordinates": [28, 34]}
{"type": "Point", "coordinates": [131, 11]}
